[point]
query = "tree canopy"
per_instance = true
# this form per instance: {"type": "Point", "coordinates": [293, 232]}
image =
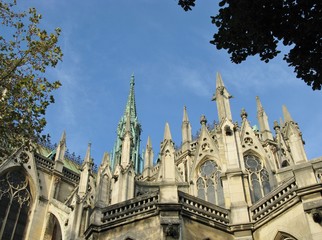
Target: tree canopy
{"type": "Point", "coordinates": [257, 27]}
{"type": "Point", "coordinates": [26, 52]}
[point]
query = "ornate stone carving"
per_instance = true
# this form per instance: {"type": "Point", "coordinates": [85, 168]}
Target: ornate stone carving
{"type": "Point", "coordinates": [23, 158]}
{"type": "Point", "coordinates": [248, 141]}
{"type": "Point", "coordinates": [172, 231]}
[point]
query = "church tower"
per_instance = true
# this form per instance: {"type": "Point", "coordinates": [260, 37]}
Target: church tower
{"type": "Point", "coordinates": [128, 126]}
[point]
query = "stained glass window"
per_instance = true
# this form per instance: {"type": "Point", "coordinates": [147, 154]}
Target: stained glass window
{"type": "Point", "coordinates": [258, 177]}
{"type": "Point", "coordinates": [15, 199]}
{"type": "Point", "coordinates": [209, 185]}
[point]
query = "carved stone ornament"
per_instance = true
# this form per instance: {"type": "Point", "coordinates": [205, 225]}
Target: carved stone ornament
{"type": "Point", "coordinates": [248, 141]}
{"type": "Point", "coordinates": [172, 231]}
{"type": "Point", "coordinates": [317, 215]}
{"type": "Point", "coordinates": [22, 158]}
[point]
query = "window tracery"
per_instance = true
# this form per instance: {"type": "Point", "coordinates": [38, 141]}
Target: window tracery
{"type": "Point", "coordinates": [258, 177]}
{"type": "Point", "coordinates": [209, 186]}
{"type": "Point", "coordinates": [15, 201]}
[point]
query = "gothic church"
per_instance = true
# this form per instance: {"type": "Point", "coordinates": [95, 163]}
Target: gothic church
{"type": "Point", "coordinates": [233, 182]}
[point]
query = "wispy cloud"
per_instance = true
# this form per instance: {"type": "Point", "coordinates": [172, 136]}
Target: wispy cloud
{"type": "Point", "coordinates": [191, 81]}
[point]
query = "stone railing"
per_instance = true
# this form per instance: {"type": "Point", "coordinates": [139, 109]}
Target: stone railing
{"type": "Point", "coordinates": [178, 153]}
{"type": "Point", "coordinates": [140, 177]}
{"type": "Point", "coordinates": [142, 204]}
{"type": "Point", "coordinates": [70, 175]}
{"type": "Point", "coordinates": [49, 165]}
{"type": "Point", "coordinates": [155, 170]}
{"type": "Point", "coordinates": [274, 200]}
{"type": "Point", "coordinates": [204, 209]}
{"type": "Point", "coordinates": [44, 162]}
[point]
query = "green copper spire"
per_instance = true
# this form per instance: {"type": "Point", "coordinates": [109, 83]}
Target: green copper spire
{"type": "Point", "coordinates": [130, 108]}
{"type": "Point", "coordinates": [129, 123]}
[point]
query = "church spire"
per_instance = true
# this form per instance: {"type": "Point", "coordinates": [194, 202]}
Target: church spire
{"type": "Point", "coordinates": [130, 108]}
{"type": "Point", "coordinates": [263, 121]}
{"type": "Point", "coordinates": [221, 96]}
{"type": "Point", "coordinates": [130, 125]}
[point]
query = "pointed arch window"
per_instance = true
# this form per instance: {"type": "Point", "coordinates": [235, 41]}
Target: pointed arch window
{"type": "Point", "coordinates": [201, 188]}
{"type": "Point", "coordinates": [15, 201]}
{"type": "Point", "coordinates": [258, 177]}
{"type": "Point", "coordinates": [209, 185]}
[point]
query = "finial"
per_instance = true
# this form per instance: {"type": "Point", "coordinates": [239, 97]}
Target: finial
{"type": "Point", "coordinates": [203, 120]}
{"type": "Point", "coordinates": [243, 113]}
{"type": "Point", "coordinates": [132, 79]}
{"type": "Point", "coordinates": [276, 125]}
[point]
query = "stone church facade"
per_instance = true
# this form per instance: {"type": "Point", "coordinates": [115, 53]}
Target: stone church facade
{"type": "Point", "coordinates": [233, 181]}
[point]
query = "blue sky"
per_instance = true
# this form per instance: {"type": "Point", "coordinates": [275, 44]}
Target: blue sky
{"type": "Point", "coordinates": [168, 51]}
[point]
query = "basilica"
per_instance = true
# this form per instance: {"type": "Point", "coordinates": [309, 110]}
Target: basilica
{"type": "Point", "coordinates": [231, 182]}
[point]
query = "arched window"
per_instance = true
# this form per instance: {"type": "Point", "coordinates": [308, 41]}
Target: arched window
{"type": "Point", "coordinates": [257, 176]}
{"type": "Point", "coordinates": [209, 185]}
{"type": "Point", "coordinates": [201, 188]}
{"type": "Point", "coordinates": [15, 201]}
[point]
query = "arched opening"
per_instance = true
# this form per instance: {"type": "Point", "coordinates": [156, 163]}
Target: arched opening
{"type": "Point", "coordinates": [258, 177]}
{"type": "Point", "coordinates": [15, 202]}
{"type": "Point", "coordinates": [53, 230]}
{"type": "Point", "coordinates": [201, 188]}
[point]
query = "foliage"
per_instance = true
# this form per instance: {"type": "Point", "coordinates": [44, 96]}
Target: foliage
{"type": "Point", "coordinates": [251, 27]}
{"type": "Point", "coordinates": [26, 52]}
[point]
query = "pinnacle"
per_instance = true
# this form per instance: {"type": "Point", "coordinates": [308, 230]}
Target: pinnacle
{"type": "Point", "coordinates": [106, 159]}
{"type": "Point", "coordinates": [88, 153]}
{"type": "Point", "coordinates": [259, 104]}
{"type": "Point", "coordinates": [286, 114]}
{"type": "Point", "coordinates": [63, 137]}
{"type": "Point", "coordinates": [185, 115]}
{"type": "Point", "coordinates": [219, 81]}
{"type": "Point", "coordinates": [149, 144]}
{"type": "Point", "coordinates": [167, 133]}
